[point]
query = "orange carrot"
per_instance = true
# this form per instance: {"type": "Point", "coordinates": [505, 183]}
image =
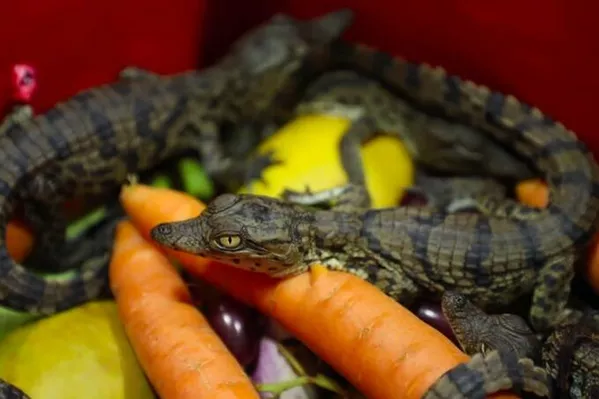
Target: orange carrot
{"type": "Point", "coordinates": [181, 355]}
{"type": "Point", "coordinates": [19, 240]}
{"type": "Point", "coordinates": [533, 192]}
{"type": "Point", "coordinates": [378, 345]}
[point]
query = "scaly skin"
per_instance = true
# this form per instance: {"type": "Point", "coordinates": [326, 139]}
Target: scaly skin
{"type": "Point", "coordinates": [477, 331]}
{"type": "Point", "coordinates": [504, 343]}
{"type": "Point", "coordinates": [492, 372]}
{"type": "Point", "coordinates": [493, 257]}
{"type": "Point", "coordinates": [571, 356]}
{"type": "Point", "coordinates": [434, 143]}
{"type": "Point", "coordinates": [503, 350]}
{"type": "Point", "coordinates": [9, 391]}
{"type": "Point", "coordinates": [88, 145]}
{"type": "Point", "coordinates": [438, 143]}
{"type": "Point", "coordinates": [346, 73]}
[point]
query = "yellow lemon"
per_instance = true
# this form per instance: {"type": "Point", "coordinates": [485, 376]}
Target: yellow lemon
{"type": "Point", "coordinates": [308, 148]}
{"type": "Point", "coordinates": [80, 353]}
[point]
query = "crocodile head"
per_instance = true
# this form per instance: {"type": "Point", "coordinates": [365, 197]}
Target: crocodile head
{"type": "Point", "coordinates": [256, 233]}
{"type": "Point", "coordinates": [265, 59]}
{"type": "Point", "coordinates": [477, 331]}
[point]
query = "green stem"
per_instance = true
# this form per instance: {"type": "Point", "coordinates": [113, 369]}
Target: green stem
{"type": "Point", "coordinates": [280, 387]}
{"type": "Point", "coordinates": [293, 362]}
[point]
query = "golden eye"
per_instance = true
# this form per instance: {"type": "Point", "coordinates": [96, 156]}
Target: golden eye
{"type": "Point", "coordinates": [228, 241]}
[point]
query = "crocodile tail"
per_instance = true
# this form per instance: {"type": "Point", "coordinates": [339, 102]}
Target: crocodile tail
{"type": "Point", "coordinates": [566, 163]}
{"type": "Point", "coordinates": [24, 291]}
{"type": "Point", "coordinates": [490, 373]}
{"type": "Point", "coordinates": [21, 289]}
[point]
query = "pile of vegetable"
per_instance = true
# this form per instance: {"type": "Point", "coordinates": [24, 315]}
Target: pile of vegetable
{"type": "Point", "coordinates": [196, 328]}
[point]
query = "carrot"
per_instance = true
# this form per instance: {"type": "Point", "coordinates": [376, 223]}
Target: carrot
{"type": "Point", "coordinates": [19, 240]}
{"type": "Point", "coordinates": [382, 348]}
{"type": "Point", "coordinates": [533, 192]}
{"type": "Point", "coordinates": [181, 355]}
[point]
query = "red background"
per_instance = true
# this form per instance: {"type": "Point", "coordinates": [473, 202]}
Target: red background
{"type": "Point", "coordinates": [545, 52]}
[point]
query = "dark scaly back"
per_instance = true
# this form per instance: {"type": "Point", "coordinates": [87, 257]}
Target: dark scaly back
{"type": "Point", "coordinates": [284, 41]}
{"type": "Point", "coordinates": [565, 162]}
{"type": "Point", "coordinates": [130, 125]}
{"type": "Point", "coordinates": [76, 147]}
{"type": "Point", "coordinates": [571, 355]}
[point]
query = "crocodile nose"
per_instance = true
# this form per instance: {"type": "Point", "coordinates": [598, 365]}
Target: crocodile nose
{"type": "Point", "coordinates": [161, 231]}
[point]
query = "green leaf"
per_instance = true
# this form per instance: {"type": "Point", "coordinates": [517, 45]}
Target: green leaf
{"type": "Point", "coordinates": [195, 180]}
{"type": "Point", "coordinates": [79, 226]}
{"type": "Point", "coordinates": [162, 181]}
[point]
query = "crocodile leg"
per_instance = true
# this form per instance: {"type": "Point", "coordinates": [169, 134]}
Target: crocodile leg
{"type": "Point", "coordinates": [496, 206]}
{"type": "Point", "coordinates": [248, 170]}
{"type": "Point", "coordinates": [349, 197]}
{"type": "Point", "coordinates": [203, 137]}
{"type": "Point", "coordinates": [470, 193]}
{"type": "Point", "coordinates": [501, 346]}
{"type": "Point", "coordinates": [394, 283]}
{"type": "Point", "coordinates": [354, 195]}
{"type": "Point", "coordinates": [552, 292]}
{"type": "Point", "coordinates": [477, 331]}
{"type": "Point", "coordinates": [230, 174]}
{"type": "Point", "coordinates": [256, 164]}
{"type": "Point", "coordinates": [19, 114]}
{"type": "Point", "coordinates": [456, 194]}
{"type": "Point", "coordinates": [457, 148]}
{"type": "Point", "coordinates": [489, 373]}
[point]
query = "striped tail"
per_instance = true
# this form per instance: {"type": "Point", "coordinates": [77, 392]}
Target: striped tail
{"type": "Point", "coordinates": [566, 163]}
{"type": "Point", "coordinates": [487, 374]}
{"type": "Point", "coordinates": [26, 150]}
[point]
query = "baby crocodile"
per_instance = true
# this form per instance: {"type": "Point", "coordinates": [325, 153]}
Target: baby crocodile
{"type": "Point", "coordinates": [505, 351]}
{"type": "Point", "coordinates": [494, 256]}
{"type": "Point", "coordinates": [87, 145]}
{"type": "Point", "coordinates": [436, 144]}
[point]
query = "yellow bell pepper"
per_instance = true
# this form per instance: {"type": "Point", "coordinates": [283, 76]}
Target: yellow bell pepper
{"type": "Point", "coordinates": [79, 353]}
{"type": "Point", "coordinates": [308, 148]}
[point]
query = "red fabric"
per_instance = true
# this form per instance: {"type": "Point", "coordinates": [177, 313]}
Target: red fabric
{"type": "Point", "coordinates": [545, 52]}
{"type": "Point", "coordinates": [76, 44]}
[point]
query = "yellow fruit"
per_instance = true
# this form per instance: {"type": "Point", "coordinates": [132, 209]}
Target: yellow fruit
{"type": "Point", "coordinates": [80, 353]}
{"type": "Point", "coordinates": [309, 150]}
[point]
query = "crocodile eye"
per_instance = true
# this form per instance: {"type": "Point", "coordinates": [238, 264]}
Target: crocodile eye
{"type": "Point", "coordinates": [483, 348]}
{"type": "Point", "coordinates": [229, 241]}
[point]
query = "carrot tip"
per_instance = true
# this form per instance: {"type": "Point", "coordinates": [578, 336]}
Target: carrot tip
{"type": "Point", "coordinates": [317, 272]}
